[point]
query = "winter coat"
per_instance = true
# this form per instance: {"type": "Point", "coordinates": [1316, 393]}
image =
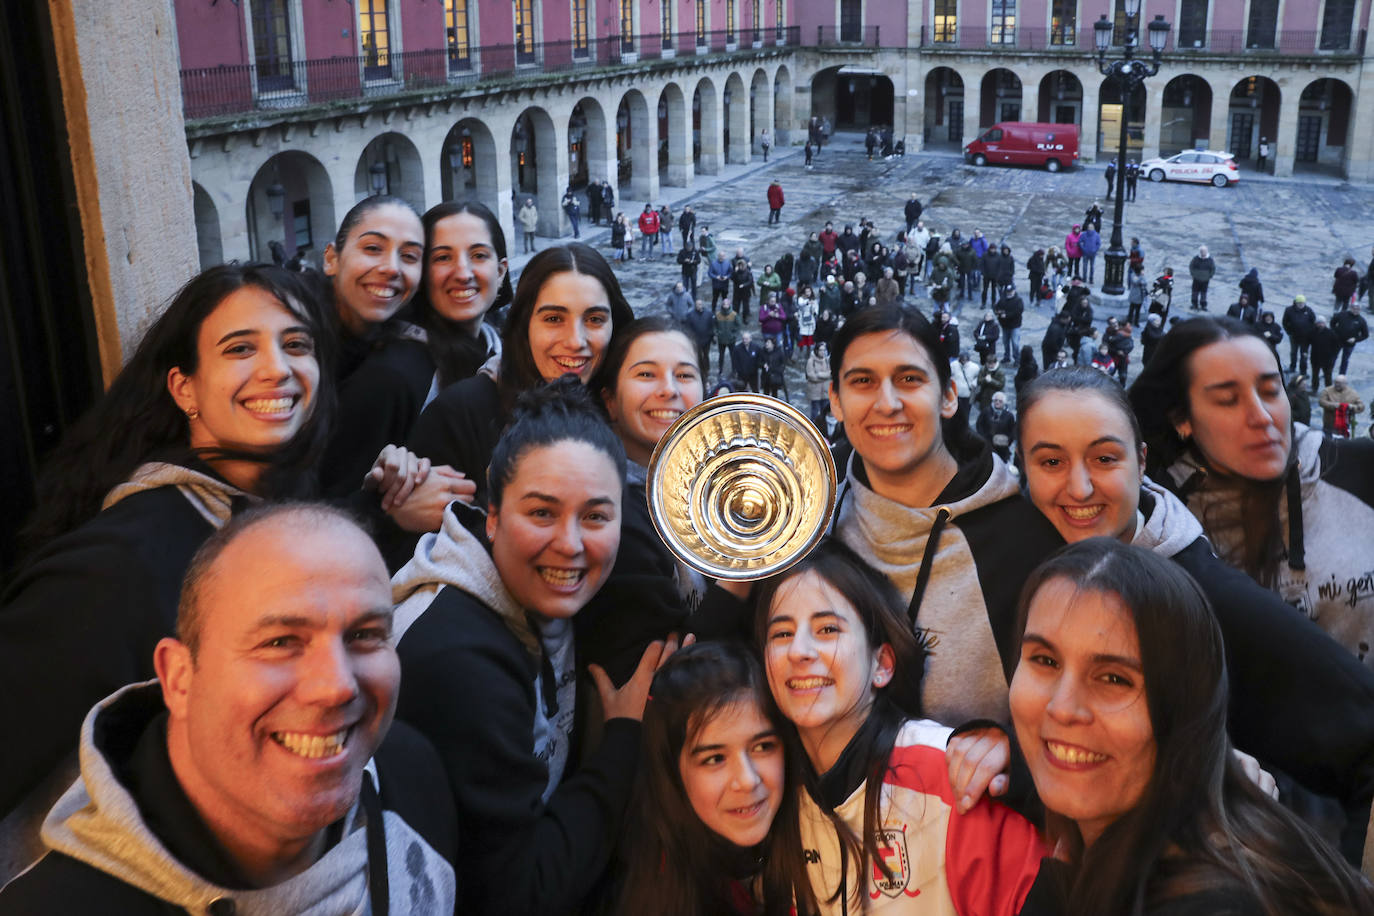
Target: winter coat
{"type": "Point", "coordinates": [1009, 311]}
{"type": "Point", "coordinates": [1334, 396]}
{"type": "Point", "coordinates": [1300, 322]}
{"type": "Point", "coordinates": [1090, 243]}
{"type": "Point", "coordinates": [817, 377]}
{"type": "Point", "coordinates": [127, 840]}
{"type": "Point", "coordinates": [829, 240]}
{"type": "Point", "coordinates": [1272, 334]}
{"type": "Point", "coordinates": [534, 840]}
{"type": "Point", "coordinates": [1073, 245]}
{"type": "Point", "coordinates": [1349, 327]}
{"type": "Point", "coordinates": [702, 324]}
{"type": "Point", "coordinates": [940, 862]}
{"type": "Point", "coordinates": [727, 327]}
{"type": "Point", "coordinates": [1202, 269]}
{"type": "Point", "coordinates": [989, 383]}
{"type": "Point", "coordinates": [949, 340]}
{"type": "Point", "coordinates": [1300, 403]}
{"type": "Point", "coordinates": [775, 196]}
{"type": "Point", "coordinates": [719, 271]}
{"type": "Point", "coordinates": [80, 619]}
{"type": "Point", "coordinates": [1325, 346]}
{"type": "Point", "coordinates": [985, 336]}
{"type": "Point", "coordinates": [529, 218]}
{"type": "Point", "coordinates": [1002, 268]}
{"type": "Point", "coordinates": [1246, 312]}
{"type": "Point", "coordinates": [979, 244]}
{"type": "Point", "coordinates": [744, 361]}
{"type": "Point", "coordinates": [807, 311]}
{"type": "Point", "coordinates": [1346, 282]}
{"type": "Point", "coordinates": [460, 428]}
{"type": "Point", "coordinates": [686, 222]}
{"type": "Point", "coordinates": [1150, 336]}
{"type": "Point", "coordinates": [772, 319]}
{"type": "Point", "coordinates": [1250, 285]}
{"type": "Point", "coordinates": [648, 222]}
{"type": "Point", "coordinates": [679, 304]}
{"type": "Point", "coordinates": [773, 363]}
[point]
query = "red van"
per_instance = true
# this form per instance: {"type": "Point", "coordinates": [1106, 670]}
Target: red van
{"type": "Point", "coordinates": [1051, 146]}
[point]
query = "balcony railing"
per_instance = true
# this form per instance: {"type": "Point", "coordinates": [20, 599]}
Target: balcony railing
{"type": "Point", "coordinates": [828, 36]}
{"type": "Point", "coordinates": [1215, 41]}
{"type": "Point", "coordinates": [221, 91]}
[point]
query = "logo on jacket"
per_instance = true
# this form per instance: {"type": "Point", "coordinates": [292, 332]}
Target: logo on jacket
{"type": "Point", "coordinates": [892, 854]}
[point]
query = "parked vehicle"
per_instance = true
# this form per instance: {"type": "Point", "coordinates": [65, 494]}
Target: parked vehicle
{"type": "Point", "coordinates": [1194, 165]}
{"type": "Point", "coordinates": [1049, 146]}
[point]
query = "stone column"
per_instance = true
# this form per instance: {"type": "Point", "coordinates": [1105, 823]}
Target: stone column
{"type": "Point", "coordinates": [1284, 147]}
{"type": "Point", "coordinates": [1154, 115]}
{"type": "Point", "coordinates": [1091, 118]}
{"type": "Point", "coordinates": [1221, 114]}
{"type": "Point", "coordinates": [763, 118]}
{"type": "Point", "coordinates": [680, 169]}
{"type": "Point", "coordinates": [738, 112]}
{"type": "Point", "coordinates": [712, 132]}
{"type": "Point", "coordinates": [1359, 137]}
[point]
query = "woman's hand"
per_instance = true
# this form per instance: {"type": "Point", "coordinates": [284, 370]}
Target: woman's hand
{"type": "Point", "coordinates": [1258, 774]}
{"type": "Point", "coordinates": [396, 472]}
{"type": "Point", "coordinates": [627, 702]}
{"type": "Point", "coordinates": [978, 760]}
{"type": "Point", "coordinates": [423, 509]}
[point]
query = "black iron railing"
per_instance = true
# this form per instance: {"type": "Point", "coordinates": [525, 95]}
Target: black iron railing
{"type": "Point", "coordinates": [220, 91]}
{"type": "Point", "coordinates": [1214, 41]}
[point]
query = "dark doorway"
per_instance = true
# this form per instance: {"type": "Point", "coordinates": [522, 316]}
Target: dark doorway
{"type": "Point", "coordinates": [1242, 126]}
{"type": "Point", "coordinates": [862, 100]}
{"type": "Point", "coordinates": [1309, 137]}
{"type": "Point", "coordinates": [50, 368]}
{"type": "Point", "coordinates": [851, 20]}
{"type": "Point", "coordinates": [956, 120]}
{"type": "Point", "coordinates": [1065, 114]}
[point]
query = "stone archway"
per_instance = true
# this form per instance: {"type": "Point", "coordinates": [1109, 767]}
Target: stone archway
{"type": "Point", "coordinates": [1252, 117]}
{"type": "Point", "coordinates": [1322, 142]}
{"type": "Point", "coordinates": [533, 151]}
{"type": "Point", "coordinates": [760, 110]}
{"type": "Point", "coordinates": [390, 164]}
{"type": "Point", "coordinates": [467, 164]}
{"type": "Point", "coordinates": [707, 140]}
{"type": "Point", "coordinates": [588, 159]}
{"type": "Point", "coordinates": [1060, 99]}
{"type": "Point", "coordinates": [999, 97]}
{"type": "Point", "coordinates": [290, 200]}
{"type": "Point", "coordinates": [1185, 120]}
{"type": "Point", "coordinates": [675, 136]}
{"type": "Point", "coordinates": [944, 109]}
{"type": "Point", "coordinates": [636, 148]}
{"type": "Point", "coordinates": [783, 123]}
{"type": "Point", "coordinates": [1109, 121]}
{"type": "Point", "coordinates": [736, 120]}
{"type": "Point", "coordinates": [208, 239]}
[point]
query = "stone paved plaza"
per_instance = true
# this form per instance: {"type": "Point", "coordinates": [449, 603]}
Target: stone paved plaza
{"type": "Point", "coordinates": [1295, 231]}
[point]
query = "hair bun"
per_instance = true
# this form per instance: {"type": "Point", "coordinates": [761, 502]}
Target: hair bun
{"type": "Point", "coordinates": [565, 395]}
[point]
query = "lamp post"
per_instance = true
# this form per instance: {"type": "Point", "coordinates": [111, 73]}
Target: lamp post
{"type": "Point", "coordinates": [1129, 74]}
{"type": "Point", "coordinates": [378, 177]}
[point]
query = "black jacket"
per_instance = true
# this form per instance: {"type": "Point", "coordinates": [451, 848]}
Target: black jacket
{"type": "Point", "coordinates": [912, 210]}
{"type": "Point", "coordinates": [1325, 346]}
{"type": "Point", "coordinates": [1349, 327]}
{"type": "Point", "coordinates": [469, 686]}
{"type": "Point", "coordinates": [702, 324]}
{"type": "Point", "coordinates": [1009, 311]}
{"type": "Point", "coordinates": [80, 620]}
{"type": "Point", "coordinates": [379, 403]}
{"type": "Point", "coordinates": [460, 428]}
{"type": "Point", "coordinates": [1300, 322]}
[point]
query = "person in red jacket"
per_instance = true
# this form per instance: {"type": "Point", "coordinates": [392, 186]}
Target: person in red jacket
{"type": "Point", "coordinates": [774, 204]}
{"type": "Point", "coordinates": [648, 231]}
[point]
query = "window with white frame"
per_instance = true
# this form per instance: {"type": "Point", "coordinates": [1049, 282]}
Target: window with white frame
{"type": "Point", "coordinates": [1003, 22]}
{"type": "Point", "coordinates": [272, 44]}
{"type": "Point", "coordinates": [946, 20]}
{"type": "Point", "coordinates": [579, 28]}
{"type": "Point", "coordinates": [374, 37]}
{"type": "Point", "coordinates": [1338, 20]}
{"type": "Point", "coordinates": [1064, 23]}
{"type": "Point", "coordinates": [1263, 25]}
{"type": "Point", "coordinates": [1192, 24]}
{"type": "Point", "coordinates": [524, 32]}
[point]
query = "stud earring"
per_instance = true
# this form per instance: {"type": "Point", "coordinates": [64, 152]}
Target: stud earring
{"type": "Point", "coordinates": [192, 413]}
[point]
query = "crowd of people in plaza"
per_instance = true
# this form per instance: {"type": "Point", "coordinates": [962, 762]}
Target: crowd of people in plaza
{"type": "Point", "coordinates": [346, 597]}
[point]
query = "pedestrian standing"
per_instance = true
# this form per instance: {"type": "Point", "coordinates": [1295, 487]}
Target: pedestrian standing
{"type": "Point", "coordinates": [1351, 329]}
{"type": "Point", "coordinates": [775, 202]}
{"type": "Point", "coordinates": [1111, 175]}
{"type": "Point", "coordinates": [1093, 216]}
{"type": "Point", "coordinates": [1345, 284]}
{"type": "Point", "coordinates": [1300, 400]}
{"type": "Point", "coordinates": [1325, 347]}
{"type": "Point", "coordinates": [765, 142]}
{"type": "Point", "coordinates": [1074, 252]}
{"type": "Point", "coordinates": [912, 211]}
{"type": "Point", "coordinates": [719, 271]}
{"type": "Point", "coordinates": [818, 384]}
{"type": "Point", "coordinates": [744, 361]}
{"type": "Point", "coordinates": [573, 209]}
{"type": "Point", "coordinates": [607, 200]}
{"type": "Point", "coordinates": [1090, 243]}
{"type": "Point", "coordinates": [727, 332]}
{"type": "Point", "coordinates": [1132, 178]}
{"type": "Point", "coordinates": [689, 260]}
{"type": "Point", "coordinates": [687, 224]}
{"type": "Point", "coordinates": [1136, 292]}
{"type": "Point", "coordinates": [529, 220]}
{"type": "Point", "coordinates": [742, 278]}
{"type": "Point", "coordinates": [679, 303]}
{"type": "Point", "coordinates": [1035, 266]}
{"type": "Point", "coordinates": [648, 229]}
{"type": "Point", "coordinates": [810, 152]}
{"type": "Point", "coordinates": [1201, 268]}
{"type": "Point", "coordinates": [871, 142]}
{"type": "Point", "coordinates": [702, 325]}
{"type": "Point", "coordinates": [1261, 163]}
{"type": "Point", "coordinates": [1301, 323]}
{"type": "Point", "coordinates": [594, 203]}
{"type": "Point", "coordinates": [665, 229]}
{"type": "Point", "coordinates": [1010, 310]}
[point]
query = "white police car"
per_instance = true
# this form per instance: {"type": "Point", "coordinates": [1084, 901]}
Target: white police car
{"type": "Point", "coordinates": [1193, 165]}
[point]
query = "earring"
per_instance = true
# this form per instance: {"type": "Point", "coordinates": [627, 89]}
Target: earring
{"type": "Point", "coordinates": [192, 413]}
{"type": "Point", "coordinates": [879, 679]}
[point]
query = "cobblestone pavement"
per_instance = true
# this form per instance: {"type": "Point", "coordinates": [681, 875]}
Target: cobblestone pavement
{"type": "Point", "coordinates": [1295, 231]}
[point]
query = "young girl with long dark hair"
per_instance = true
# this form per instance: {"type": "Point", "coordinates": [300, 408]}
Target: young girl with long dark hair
{"type": "Point", "coordinates": [701, 838]}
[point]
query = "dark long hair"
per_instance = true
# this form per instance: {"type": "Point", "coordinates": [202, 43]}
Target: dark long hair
{"type": "Point", "coordinates": [674, 864]}
{"type": "Point", "coordinates": [137, 420]}
{"type": "Point", "coordinates": [620, 347]}
{"type": "Point", "coordinates": [1159, 397]}
{"type": "Point", "coordinates": [456, 353]}
{"type": "Point", "coordinates": [882, 612]}
{"type": "Point", "coordinates": [1201, 823]}
{"type": "Point", "coordinates": [518, 371]}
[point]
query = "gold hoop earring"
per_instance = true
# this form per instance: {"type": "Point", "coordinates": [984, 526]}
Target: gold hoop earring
{"type": "Point", "coordinates": [192, 413]}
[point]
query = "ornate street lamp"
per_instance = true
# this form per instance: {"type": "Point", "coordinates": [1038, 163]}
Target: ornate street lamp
{"type": "Point", "coordinates": [377, 171]}
{"type": "Point", "coordinates": [276, 200]}
{"type": "Point", "coordinates": [1129, 74]}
